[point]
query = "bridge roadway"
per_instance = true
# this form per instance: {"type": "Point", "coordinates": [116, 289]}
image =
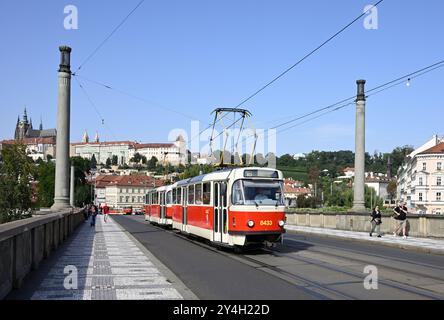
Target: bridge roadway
{"type": "Point", "coordinates": [303, 267]}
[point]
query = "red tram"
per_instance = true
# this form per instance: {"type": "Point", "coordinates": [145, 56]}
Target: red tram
{"type": "Point", "coordinates": [231, 207]}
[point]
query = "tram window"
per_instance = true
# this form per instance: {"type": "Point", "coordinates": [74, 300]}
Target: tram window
{"type": "Point", "coordinates": [198, 193]}
{"type": "Point", "coordinates": [216, 195]}
{"type": "Point", "coordinates": [179, 196]}
{"type": "Point", "coordinates": [191, 194]}
{"type": "Point", "coordinates": [174, 196]}
{"type": "Point", "coordinates": [169, 197]}
{"type": "Point", "coordinates": [223, 193]}
{"type": "Point", "coordinates": [237, 197]}
{"type": "Point", "coordinates": [206, 193]}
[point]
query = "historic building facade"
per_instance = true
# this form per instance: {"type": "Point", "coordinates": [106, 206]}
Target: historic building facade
{"type": "Point", "coordinates": [421, 178]}
{"type": "Point", "coordinates": [166, 153]}
{"type": "Point", "coordinates": [120, 192]}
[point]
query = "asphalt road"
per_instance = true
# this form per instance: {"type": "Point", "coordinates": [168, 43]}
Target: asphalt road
{"type": "Point", "coordinates": [303, 267]}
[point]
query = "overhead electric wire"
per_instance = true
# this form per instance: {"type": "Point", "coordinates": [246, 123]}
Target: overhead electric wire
{"type": "Point", "coordinates": [306, 56]}
{"type": "Point", "coordinates": [91, 102]}
{"type": "Point", "coordinates": [110, 35]}
{"type": "Point", "coordinates": [150, 103]}
{"type": "Point", "coordinates": [378, 89]}
{"type": "Point", "coordinates": [374, 91]}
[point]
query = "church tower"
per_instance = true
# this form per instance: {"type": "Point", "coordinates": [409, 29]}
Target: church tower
{"type": "Point", "coordinates": [85, 138]}
{"type": "Point", "coordinates": [22, 127]}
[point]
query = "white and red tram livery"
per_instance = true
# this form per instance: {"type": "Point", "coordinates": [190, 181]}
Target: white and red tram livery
{"type": "Point", "coordinates": [231, 207]}
{"type": "Point", "coordinates": [160, 209]}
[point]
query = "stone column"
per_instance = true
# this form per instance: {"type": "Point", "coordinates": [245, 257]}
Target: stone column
{"type": "Point", "coordinates": [71, 189]}
{"type": "Point", "coordinates": [359, 183]}
{"type": "Point", "coordinates": [61, 198]}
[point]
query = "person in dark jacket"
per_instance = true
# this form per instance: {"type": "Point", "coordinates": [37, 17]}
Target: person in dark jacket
{"type": "Point", "coordinates": [401, 216]}
{"type": "Point", "coordinates": [376, 222]}
{"type": "Point", "coordinates": [94, 212]}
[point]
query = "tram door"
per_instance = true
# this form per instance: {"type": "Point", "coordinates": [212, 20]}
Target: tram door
{"type": "Point", "coordinates": [162, 206]}
{"type": "Point", "coordinates": [184, 208]}
{"type": "Point", "coordinates": [220, 232]}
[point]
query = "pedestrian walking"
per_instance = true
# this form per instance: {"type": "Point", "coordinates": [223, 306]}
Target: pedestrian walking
{"type": "Point", "coordinates": [401, 217]}
{"type": "Point", "coordinates": [105, 211]}
{"type": "Point", "coordinates": [94, 213]}
{"type": "Point", "coordinates": [376, 222]}
{"type": "Point", "coordinates": [85, 211]}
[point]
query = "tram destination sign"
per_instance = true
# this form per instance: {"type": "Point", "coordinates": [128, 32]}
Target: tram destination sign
{"type": "Point", "coordinates": [261, 174]}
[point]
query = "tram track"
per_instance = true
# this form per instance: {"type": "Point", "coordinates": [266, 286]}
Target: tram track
{"type": "Point", "coordinates": [315, 288]}
{"type": "Point", "coordinates": [336, 255]}
{"type": "Point", "coordinates": [386, 282]}
{"type": "Point", "coordinates": [282, 274]}
{"type": "Point", "coordinates": [403, 260]}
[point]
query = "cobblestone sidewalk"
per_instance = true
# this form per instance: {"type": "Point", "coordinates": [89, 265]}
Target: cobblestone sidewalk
{"type": "Point", "coordinates": [420, 244]}
{"type": "Point", "coordinates": [110, 266]}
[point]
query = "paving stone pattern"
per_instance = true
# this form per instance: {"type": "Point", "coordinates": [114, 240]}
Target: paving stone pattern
{"type": "Point", "coordinates": [109, 266]}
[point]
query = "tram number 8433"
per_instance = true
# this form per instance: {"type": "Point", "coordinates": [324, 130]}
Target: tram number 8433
{"type": "Point", "coordinates": [266, 223]}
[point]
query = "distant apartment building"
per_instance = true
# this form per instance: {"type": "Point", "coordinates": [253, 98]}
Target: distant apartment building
{"type": "Point", "coordinates": [166, 153]}
{"type": "Point", "coordinates": [421, 178]}
{"type": "Point", "coordinates": [377, 181]}
{"type": "Point", "coordinates": [292, 190]}
{"type": "Point", "coordinates": [120, 192]}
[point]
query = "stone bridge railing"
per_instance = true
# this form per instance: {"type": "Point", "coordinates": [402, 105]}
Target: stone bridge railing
{"type": "Point", "coordinates": [25, 243]}
{"type": "Point", "coordinates": [418, 225]}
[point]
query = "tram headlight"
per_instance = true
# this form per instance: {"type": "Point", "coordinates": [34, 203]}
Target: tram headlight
{"type": "Point", "coordinates": [281, 223]}
{"type": "Point", "coordinates": [250, 223]}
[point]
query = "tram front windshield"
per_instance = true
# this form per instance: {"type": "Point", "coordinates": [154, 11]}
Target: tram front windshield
{"type": "Point", "coordinates": [251, 192]}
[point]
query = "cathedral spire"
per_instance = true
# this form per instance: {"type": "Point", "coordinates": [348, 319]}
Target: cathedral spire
{"type": "Point", "coordinates": [25, 116]}
{"type": "Point", "coordinates": [96, 138]}
{"type": "Point", "coordinates": [41, 124]}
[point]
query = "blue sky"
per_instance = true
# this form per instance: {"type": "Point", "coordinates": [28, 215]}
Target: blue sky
{"type": "Point", "coordinates": [195, 55]}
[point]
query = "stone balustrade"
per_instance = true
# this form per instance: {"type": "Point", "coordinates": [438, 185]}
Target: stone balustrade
{"type": "Point", "coordinates": [25, 243]}
{"type": "Point", "coordinates": [418, 225]}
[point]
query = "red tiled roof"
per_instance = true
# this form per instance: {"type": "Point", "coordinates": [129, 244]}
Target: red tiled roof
{"type": "Point", "coordinates": [153, 145]}
{"type": "Point", "coordinates": [439, 148]}
{"type": "Point", "coordinates": [130, 143]}
{"type": "Point", "coordinates": [291, 181]}
{"type": "Point", "coordinates": [289, 189]}
{"type": "Point", "coordinates": [31, 141]}
{"type": "Point", "coordinates": [132, 180]}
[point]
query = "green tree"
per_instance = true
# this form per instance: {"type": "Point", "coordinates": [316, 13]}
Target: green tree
{"type": "Point", "coordinates": [392, 189]}
{"type": "Point", "coordinates": [152, 163]}
{"type": "Point", "coordinates": [82, 193]}
{"type": "Point", "coordinates": [137, 158]}
{"type": "Point", "coordinates": [108, 163]}
{"type": "Point", "coordinates": [399, 155]}
{"type": "Point", "coordinates": [46, 183]}
{"type": "Point", "coordinates": [93, 162]}
{"type": "Point", "coordinates": [114, 160]}
{"type": "Point", "coordinates": [16, 173]}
